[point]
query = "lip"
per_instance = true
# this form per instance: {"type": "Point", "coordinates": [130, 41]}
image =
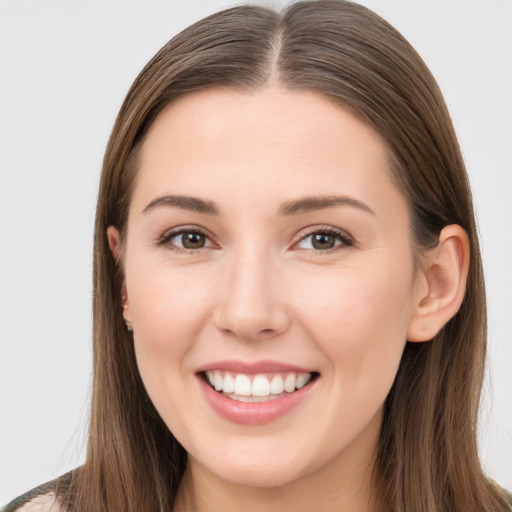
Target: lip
{"type": "Point", "coordinates": [249, 368]}
{"type": "Point", "coordinates": [253, 413]}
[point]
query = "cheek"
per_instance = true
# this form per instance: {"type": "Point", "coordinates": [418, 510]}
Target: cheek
{"type": "Point", "coordinates": [168, 302]}
{"type": "Point", "coordinates": [168, 311]}
{"type": "Point", "coordinates": [359, 319]}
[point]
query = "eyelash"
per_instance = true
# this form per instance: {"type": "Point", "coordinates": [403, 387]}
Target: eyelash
{"type": "Point", "coordinates": [167, 237]}
{"type": "Point", "coordinates": [342, 236]}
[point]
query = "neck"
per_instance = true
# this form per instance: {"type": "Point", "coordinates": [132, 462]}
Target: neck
{"type": "Point", "coordinates": [344, 483]}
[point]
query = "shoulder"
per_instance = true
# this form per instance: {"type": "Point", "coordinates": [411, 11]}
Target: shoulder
{"type": "Point", "coordinates": [39, 503]}
{"type": "Point", "coordinates": [40, 499]}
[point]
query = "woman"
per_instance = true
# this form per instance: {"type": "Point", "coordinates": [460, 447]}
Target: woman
{"type": "Point", "coordinates": [288, 304]}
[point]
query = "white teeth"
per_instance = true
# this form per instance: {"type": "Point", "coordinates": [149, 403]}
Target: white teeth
{"type": "Point", "coordinates": [243, 385]}
{"type": "Point", "coordinates": [259, 388]}
{"type": "Point", "coordinates": [289, 383]}
{"type": "Point", "coordinates": [277, 386]}
{"type": "Point", "coordinates": [302, 380]}
{"type": "Point", "coordinates": [229, 383]}
{"type": "Point", "coordinates": [218, 381]}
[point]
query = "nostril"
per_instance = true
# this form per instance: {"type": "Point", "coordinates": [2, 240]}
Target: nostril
{"type": "Point", "coordinates": [250, 313]}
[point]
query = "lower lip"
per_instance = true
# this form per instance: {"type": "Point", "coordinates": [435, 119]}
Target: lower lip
{"type": "Point", "coordinates": [253, 413]}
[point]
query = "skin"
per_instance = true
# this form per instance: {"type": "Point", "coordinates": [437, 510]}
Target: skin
{"type": "Point", "coordinates": [259, 290]}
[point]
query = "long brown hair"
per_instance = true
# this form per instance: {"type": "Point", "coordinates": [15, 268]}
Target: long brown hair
{"type": "Point", "coordinates": [427, 458]}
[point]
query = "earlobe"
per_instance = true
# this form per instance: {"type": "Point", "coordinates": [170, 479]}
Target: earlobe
{"type": "Point", "coordinates": [443, 284]}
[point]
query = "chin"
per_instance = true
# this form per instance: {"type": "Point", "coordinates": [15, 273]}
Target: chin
{"type": "Point", "coordinates": [259, 466]}
{"type": "Point", "coordinates": [256, 475]}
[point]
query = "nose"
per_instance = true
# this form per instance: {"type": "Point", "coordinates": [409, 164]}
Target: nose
{"type": "Point", "coordinates": [252, 303]}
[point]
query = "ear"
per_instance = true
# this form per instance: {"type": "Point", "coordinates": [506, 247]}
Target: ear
{"type": "Point", "coordinates": [114, 242]}
{"type": "Point", "coordinates": [441, 284]}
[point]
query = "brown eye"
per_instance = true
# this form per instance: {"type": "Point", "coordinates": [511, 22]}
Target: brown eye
{"type": "Point", "coordinates": [186, 240]}
{"type": "Point", "coordinates": [193, 240]}
{"type": "Point", "coordinates": [323, 241]}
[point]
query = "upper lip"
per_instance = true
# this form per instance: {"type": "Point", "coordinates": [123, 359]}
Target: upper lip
{"type": "Point", "coordinates": [250, 367]}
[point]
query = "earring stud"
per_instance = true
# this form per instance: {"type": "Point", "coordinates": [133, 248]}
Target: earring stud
{"type": "Point", "coordinates": [128, 324]}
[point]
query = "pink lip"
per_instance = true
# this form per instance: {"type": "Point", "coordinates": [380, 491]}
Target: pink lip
{"type": "Point", "coordinates": [253, 413]}
{"type": "Point", "coordinates": [252, 367]}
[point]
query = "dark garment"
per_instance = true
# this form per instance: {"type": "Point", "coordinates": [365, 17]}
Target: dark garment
{"type": "Point", "coordinates": [40, 490]}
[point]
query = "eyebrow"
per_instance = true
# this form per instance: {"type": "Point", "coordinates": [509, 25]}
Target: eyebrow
{"type": "Point", "coordinates": [311, 203]}
{"type": "Point", "coordinates": [185, 203]}
{"type": "Point", "coordinates": [295, 207]}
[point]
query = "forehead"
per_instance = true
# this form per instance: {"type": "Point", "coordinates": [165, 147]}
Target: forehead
{"type": "Point", "coordinates": [227, 144]}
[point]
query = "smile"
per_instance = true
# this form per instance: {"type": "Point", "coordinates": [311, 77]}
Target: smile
{"type": "Point", "coordinates": [255, 393]}
{"type": "Point", "coordinates": [256, 388]}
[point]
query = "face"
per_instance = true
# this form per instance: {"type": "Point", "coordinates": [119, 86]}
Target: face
{"type": "Point", "coordinates": [268, 255]}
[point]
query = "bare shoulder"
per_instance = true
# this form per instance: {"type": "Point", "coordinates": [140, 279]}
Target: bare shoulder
{"type": "Point", "coordinates": [41, 503]}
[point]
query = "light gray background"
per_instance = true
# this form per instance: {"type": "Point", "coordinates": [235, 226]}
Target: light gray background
{"type": "Point", "coordinates": [65, 66]}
